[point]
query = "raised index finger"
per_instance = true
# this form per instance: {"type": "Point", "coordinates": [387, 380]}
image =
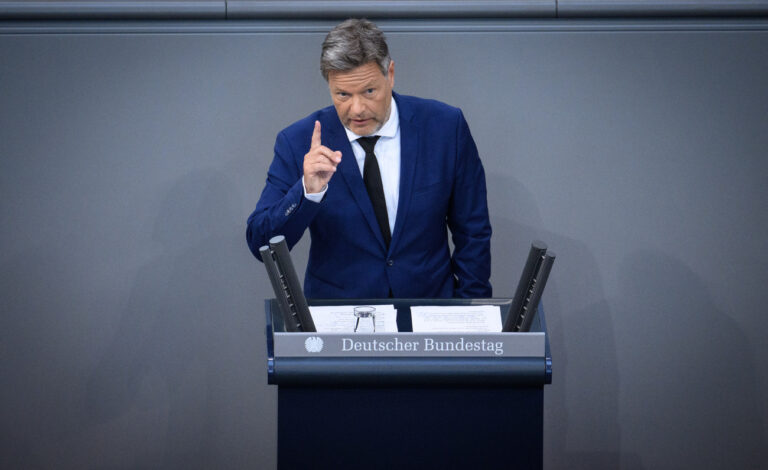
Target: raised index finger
{"type": "Point", "coordinates": [316, 135]}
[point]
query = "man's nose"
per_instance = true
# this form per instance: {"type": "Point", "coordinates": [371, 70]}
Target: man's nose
{"type": "Point", "coordinates": [357, 107]}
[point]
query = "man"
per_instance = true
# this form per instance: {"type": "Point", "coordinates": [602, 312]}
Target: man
{"type": "Point", "coordinates": [378, 178]}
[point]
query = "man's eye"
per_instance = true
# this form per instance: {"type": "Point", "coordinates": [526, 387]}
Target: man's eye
{"type": "Point", "coordinates": [369, 91]}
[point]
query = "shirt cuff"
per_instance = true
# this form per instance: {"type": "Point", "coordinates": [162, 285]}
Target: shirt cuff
{"type": "Point", "coordinates": [314, 197]}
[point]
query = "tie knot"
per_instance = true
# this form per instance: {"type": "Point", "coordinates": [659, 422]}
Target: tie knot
{"type": "Point", "coordinates": [368, 143]}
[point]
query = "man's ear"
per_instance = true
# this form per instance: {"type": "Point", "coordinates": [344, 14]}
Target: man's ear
{"type": "Point", "coordinates": [391, 73]}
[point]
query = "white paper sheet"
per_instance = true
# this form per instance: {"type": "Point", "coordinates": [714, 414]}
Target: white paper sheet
{"type": "Point", "coordinates": [462, 319]}
{"type": "Point", "coordinates": [341, 318]}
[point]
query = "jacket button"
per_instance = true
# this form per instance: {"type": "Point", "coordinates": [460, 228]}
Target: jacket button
{"type": "Point", "coordinates": [390, 262]}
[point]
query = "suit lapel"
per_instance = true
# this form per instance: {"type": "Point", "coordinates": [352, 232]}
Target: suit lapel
{"type": "Point", "coordinates": [409, 145]}
{"type": "Point", "coordinates": [337, 140]}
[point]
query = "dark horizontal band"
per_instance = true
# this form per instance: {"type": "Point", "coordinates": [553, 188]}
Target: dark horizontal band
{"type": "Point", "coordinates": [115, 10]}
{"type": "Point", "coordinates": [410, 371]}
{"type": "Point", "coordinates": [378, 9]}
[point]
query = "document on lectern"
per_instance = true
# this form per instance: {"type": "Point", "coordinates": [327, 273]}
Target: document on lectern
{"type": "Point", "coordinates": [459, 319]}
{"type": "Point", "coordinates": [342, 319]}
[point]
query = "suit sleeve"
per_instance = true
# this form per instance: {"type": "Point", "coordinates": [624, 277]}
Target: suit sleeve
{"type": "Point", "coordinates": [282, 208]}
{"type": "Point", "coordinates": [468, 220]}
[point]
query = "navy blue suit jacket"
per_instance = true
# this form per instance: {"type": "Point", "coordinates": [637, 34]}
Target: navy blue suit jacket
{"type": "Point", "coordinates": [442, 184]}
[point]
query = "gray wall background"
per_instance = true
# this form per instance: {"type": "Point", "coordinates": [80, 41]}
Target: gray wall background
{"type": "Point", "coordinates": [132, 329]}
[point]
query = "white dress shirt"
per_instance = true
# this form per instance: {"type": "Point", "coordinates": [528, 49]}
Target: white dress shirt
{"type": "Point", "coordinates": [387, 152]}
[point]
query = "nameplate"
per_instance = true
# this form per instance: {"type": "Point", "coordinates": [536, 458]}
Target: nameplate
{"type": "Point", "coordinates": [409, 345]}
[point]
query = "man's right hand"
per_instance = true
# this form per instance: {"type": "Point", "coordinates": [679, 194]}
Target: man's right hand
{"type": "Point", "coordinates": [319, 163]}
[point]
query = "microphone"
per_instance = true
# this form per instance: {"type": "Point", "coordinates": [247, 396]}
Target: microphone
{"type": "Point", "coordinates": [530, 288]}
{"type": "Point", "coordinates": [285, 283]}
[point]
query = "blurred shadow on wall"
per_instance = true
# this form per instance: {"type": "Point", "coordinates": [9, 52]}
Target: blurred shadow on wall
{"type": "Point", "coordinates": [679, 333]}
{"type": "Point", "coordinates": [581, 404]}
{"type": "Point", "coordinates": [181, 374]}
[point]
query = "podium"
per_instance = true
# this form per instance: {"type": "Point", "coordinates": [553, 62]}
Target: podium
{"type": "Point", "coordinates": [409, 400]}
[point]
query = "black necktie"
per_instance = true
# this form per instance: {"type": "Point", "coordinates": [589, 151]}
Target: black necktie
{"type": "Point", "coordinates": [372, 180]}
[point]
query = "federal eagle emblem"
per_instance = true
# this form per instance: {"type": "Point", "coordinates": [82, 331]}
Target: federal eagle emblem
{"type": "Point", "coordinates": [313, 344]}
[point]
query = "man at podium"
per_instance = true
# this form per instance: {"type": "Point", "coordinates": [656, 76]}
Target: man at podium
{"type": "Point", "coordinates": [378, 179]}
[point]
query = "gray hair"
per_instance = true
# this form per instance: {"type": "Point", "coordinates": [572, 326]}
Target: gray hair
{"type": "Point", "coordinates": [353, 43]}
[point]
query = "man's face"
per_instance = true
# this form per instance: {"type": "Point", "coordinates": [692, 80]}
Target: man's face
{"type": "Point", "coordinates": [362, 97]}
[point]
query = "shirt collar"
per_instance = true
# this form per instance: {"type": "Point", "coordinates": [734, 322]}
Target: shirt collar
{"type": "Point", "coordinates": [389, 129]}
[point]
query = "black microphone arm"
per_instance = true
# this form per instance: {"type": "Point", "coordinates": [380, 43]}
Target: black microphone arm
{"type": "Point", "coordinates": [530, 288]}
{"type": "Point", "coordinates": [285, 283]}
{"type": "Point", "coordinates": [529, 310]}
